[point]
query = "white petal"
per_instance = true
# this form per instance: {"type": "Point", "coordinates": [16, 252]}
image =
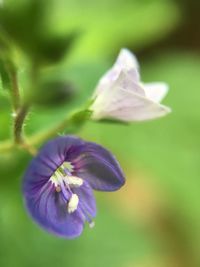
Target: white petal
{"type": "Point", "coordinates": [107, 98]}
{"type": "Point", "coordinates": [126, 82]}
{"type": "Point", "coordinates": [138, 108]}
{"type": "Point", "coordinates": [126, 105]}
{"type": "Point", "coordinates": [156, 91]}
{"type": "Point", "coordinates": [127, 62]}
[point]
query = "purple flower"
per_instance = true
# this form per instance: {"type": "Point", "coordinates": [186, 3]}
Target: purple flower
{"type": "Point", "coordinates": [58, 184]}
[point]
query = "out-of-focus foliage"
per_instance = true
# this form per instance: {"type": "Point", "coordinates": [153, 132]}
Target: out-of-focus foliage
{"type": "Point", "coordinates": [108, 25]}
{"type": "Point", "coordinates": [28, 25]}
{"type": "Point", "coordinates": [154, 220]}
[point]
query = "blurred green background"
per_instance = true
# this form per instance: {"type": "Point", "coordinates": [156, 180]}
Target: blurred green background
{"type": "Point", "coordinates": [154, 220]}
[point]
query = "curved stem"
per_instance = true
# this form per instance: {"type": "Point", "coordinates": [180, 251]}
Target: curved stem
{"type": "Point", "coordinates": [47, 134]}
{"type": "Point", "coordinates": [23, 112]}
{"type": "Point", "coordinates": [29, 148]}
{"type": "Point", "coordinates": [72, 123]}
{"type": "Point", "coordinates": [6, 146]}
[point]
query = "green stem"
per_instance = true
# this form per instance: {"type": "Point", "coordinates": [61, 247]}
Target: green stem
{"type": "Point", "coordinates": [18, 124]}
{"type": "Point", "coordinates": [47, 134]}
{"type": "Point", "coordinates": [72, 123]}
{"type": "Point", "coordinates": [29, 148]}
{"type": "Point", "coordinates": [23, 111]}
{"type": "Point", "coordinates": [15, 91]}
{"type": "Point", "coordinates": [6, 146]}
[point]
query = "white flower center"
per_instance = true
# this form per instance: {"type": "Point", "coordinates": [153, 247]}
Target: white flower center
{"type": "Point", "coordinates": [65, 182]}
{"type": "Point", "coordinates": [72, 181]}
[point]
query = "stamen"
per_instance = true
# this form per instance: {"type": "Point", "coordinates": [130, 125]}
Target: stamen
{"type": "Point", "coordinates": [64, 182]}
{"type": "Point", "coordinates": [73, 203]}
{"type": "Point", "coordinates": [74, 180]}
{"type": "Point", "coordinates": [87, 217]}
{"type": "Point", "coordinates": [65, 189]}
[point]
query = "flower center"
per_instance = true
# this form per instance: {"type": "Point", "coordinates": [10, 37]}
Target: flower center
{"type": "Point", "coordinates": [64, 183]}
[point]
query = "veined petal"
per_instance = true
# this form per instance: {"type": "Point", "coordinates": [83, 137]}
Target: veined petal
{"type": "Point", "coordinates": [113, 98]}
{"type": "Point", "coordinates": [48, 208]}
{"type": "Point", "coordinates": [120, 95]}
{"type": "Point", "coordinates": [87, 204]}
{"type": "Point", "coordinates": [127, 101]}
{"type": "Point", "coordinates": [99, 168]}
{"type": "Point", "coordinates": [51, 156]}
{"type": "Point", "coordinates": [137, 108]}
{"type": "Point", "coordinates": [156, 91]}
{"type": "Point", "coordinates": [129, 106]}
{"type": "Point", "coordinates": [53, 198]}
{"type": "Point", "coordinates": [126, 62]}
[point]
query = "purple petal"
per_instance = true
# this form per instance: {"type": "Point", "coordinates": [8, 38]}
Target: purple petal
{"type": "Point", "coordinates": [50, 157]}
{"type": "Point", "coordinates": [87, 202]}
{"type": "Point", "coordinates": [92, 162]}
{"type": "Point", "coordinates": [48, 208]}
{"type": "Point", "coordinates": [99, 168]}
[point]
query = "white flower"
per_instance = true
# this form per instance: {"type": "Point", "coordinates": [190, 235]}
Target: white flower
{"type": "Point", "coordinates": [120, 94]}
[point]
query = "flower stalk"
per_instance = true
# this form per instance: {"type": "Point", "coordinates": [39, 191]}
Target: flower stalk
{"type": "Point", "coordinates": [72, 123]}
{"type": "Point", "coordinates": [19, 123]}
{"type": "Point", "coordinates": [15, 95]}
{"type": "Point", "coordinates": [22, 112]}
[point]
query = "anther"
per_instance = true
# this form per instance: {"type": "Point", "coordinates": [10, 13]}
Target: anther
{"type": "Point", "coordinates": [74, 180]}
{"type": "Point", "coordinates": [73, 203]}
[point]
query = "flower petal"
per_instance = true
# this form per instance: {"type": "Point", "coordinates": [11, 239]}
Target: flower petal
{"type": "Point", "coordinates": [127, 62]}
{"type": "Point", "coordinates": [87, 203]}
{"type": "Point", "coordinates": [156, 91]}
{"type": "Point", "coordinates": [99, 168]}
{"type": "Point", "coordinates": [137, 108]}
{"type": "Point", "coordinates": [48, 208]}
{"type": "Point", "coordinates": [50, 157]}
{"type": "Point", "coordinates": [111, 98]}
{"type": "Point", "coordinates": [126, 101]}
